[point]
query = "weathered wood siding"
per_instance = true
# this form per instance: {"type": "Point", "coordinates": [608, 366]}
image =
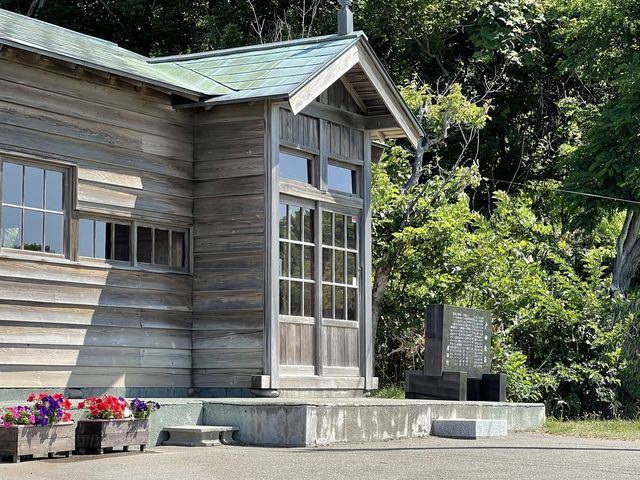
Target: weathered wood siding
{"type": "Point", "coordinates": [81, 325]}
{"type": "Point", "coordinates": [229, 237]}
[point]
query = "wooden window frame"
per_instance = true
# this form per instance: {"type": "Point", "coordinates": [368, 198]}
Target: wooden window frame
{"type": "Point", "coordinates": [68, 192]}
{"type": "Point", "coordinates": [171, 230]}
{"type": "Point", "coordinates": [133, 263]}
{"type": "Point", "coordinates": [302, 280]}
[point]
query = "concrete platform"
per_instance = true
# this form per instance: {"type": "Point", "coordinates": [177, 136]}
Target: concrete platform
{"type": "Point", "coordinates": [311, 422]}
{"type": "Point", "coordinates": [287, 423]}
{"type": "Point", "coordinates": [471, 429]}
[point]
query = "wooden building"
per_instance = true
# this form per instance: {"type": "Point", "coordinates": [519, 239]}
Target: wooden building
{"type": "Point", "coordinates": [188, 225]}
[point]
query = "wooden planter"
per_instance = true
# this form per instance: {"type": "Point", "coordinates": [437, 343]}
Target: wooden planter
{"type": "Point", "coordinates": [34, 440]}
{"type": "Point", "coordinates": [96, 435]}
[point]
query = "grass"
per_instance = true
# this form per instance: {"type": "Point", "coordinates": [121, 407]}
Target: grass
{"type": "Point", "coordinates": [389, 392]}
{"type": "Point", "coordinates": [605, 429]}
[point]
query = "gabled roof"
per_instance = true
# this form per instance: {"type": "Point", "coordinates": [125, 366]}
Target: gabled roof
{"type": "Point", "coordinates": [295, 70]}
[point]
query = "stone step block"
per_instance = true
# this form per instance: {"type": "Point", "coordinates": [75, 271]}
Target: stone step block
{"type": "Point", "coordinates": [468, 428]}
{"type": "Point", "coordinates": [200, 435]}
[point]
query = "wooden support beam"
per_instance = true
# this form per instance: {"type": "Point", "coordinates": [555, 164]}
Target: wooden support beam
{"type": "Point", "coordinates": [380, 122]}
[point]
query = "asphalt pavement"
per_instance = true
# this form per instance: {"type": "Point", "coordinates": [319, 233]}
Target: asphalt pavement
{"type": "Point", "coordinates": [519, 456]}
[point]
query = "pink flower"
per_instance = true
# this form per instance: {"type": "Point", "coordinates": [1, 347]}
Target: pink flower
{"type": "Point", "coordinates": [7, 424]}
{"type": "Point", "coordinates": [32, 419]}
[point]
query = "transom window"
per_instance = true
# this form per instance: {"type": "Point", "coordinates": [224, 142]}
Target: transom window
{"type": "Point", "coordinates": [297, 247]}
{"type": "Point", "coordinates": [342, 179]}
{"type": "Point", "coordinates": [33, 208]}
{"type": "Point", "coordinates": [339, 266]}
{"type": "Point", "coordinates": [296, 167]}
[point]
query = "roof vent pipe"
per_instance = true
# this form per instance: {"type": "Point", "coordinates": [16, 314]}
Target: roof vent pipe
{"type": "Point", "coordinates": [345, 18]}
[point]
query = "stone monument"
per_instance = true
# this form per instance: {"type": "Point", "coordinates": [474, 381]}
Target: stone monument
{"type": "Point", "coordinates": [457, 358]}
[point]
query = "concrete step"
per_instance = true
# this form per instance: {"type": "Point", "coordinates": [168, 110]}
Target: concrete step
{"type": "Point", "coordinates": [200, 435]}
{"type": "Point", "coordinates": [468, 428]}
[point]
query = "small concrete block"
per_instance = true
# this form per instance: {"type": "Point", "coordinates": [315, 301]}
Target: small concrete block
{"type": "Point", "coordinates": [199, 435]}
{"type": "Point", "coordinates": [469, 428]}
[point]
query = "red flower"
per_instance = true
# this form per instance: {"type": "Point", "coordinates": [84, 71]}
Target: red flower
{"type": "Point", "coordinates": [57, 396]}
{"type": "Point", "coordinates": [81, 405]}
{"type": "Point", "coordinates": [66, 404]}
{"type": "Point", "coordinates": [31, 397]}
{"type": "Point", "coordinates": [42, 396]}
{"type": "Point", "coordinates": [66, 416]}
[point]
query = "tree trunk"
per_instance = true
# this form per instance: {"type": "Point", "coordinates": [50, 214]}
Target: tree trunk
{"type": "Point", "coordinates": [627, 262]}
{"type": "Point", "coordinates": [380, 279]}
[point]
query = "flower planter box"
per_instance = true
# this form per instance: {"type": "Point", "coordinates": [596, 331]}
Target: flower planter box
{"type": "Point", "coordinates": [96, 435]}
{"type": "Point", "coordinates": [21, 440]}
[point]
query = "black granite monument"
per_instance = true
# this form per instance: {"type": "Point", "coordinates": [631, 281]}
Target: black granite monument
{"type": "Point", "coordinates": [457, 358]}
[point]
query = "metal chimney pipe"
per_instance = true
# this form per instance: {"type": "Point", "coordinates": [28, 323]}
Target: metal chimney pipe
{"type": "Point", "coordinates": [345, 18]}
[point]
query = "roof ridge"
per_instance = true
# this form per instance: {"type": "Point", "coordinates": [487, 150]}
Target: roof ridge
{"type": "Point", "coordinates": [249, 48]}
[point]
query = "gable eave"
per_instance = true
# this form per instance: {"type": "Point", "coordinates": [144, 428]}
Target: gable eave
{"type": "Point", "coordinates": [359, 53]}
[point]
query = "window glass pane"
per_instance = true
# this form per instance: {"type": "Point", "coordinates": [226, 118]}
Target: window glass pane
{"type": "Point", "coordinates": [108, 250]}
{"type": "Point", "coordinates": [54, 233]}
{"type": "Point", "coordinates": [340, 310]}
{"type": "Point", "coordinates": [102, 246]}
{"type": "Point", "coordinates": [296, 299]}
{"type": "Point", "coordinates": [351, 269]}
{"type": "Point", "coordinates": [178, 249]}
{"type": "Point", "coordinates": [308, 262]}
{"type": "Point", "coordinates": [341, 179]}
{"type": "Point", "coordinates": [327, 264]}
{"type": "Point", "coordinates": [161, 247]}
{"type": "Point", "coordinates": [327, 301]}
{"type": "Point", "coordinates": [122, 244]}
{"type": "Point", "coordinates": [85, 238]}
{"type": "Point", "coordinates": [12, 183]}
{"type": "Point", "coordinates": [352, 237]}
{"type": "Point", "coordinates": [339, 266]}
{"type": "Point", "coordinates": [294, 167]}
{"type": "Point", "coordinates": [296, 222]}
{"type": "Point", "coordinates": [327, 228]}
{"type": "Point", "coordinates": [352, 295]}
{"type": "Point", "coordinates": [296, 261]}
{"type": "Point", "coordinates": [11, 227]}
{"type": "Point", "coordinates": [33, 223]}
{"type": "Point", "coordinates": [283, 221]}
{"type": "Point", "coordinates": [53, 190]}
{"type": "Point", "coordinates": [284, 297]}
{"type": "Point", "coordinates": [339, 232]}
{"type": "Point", "coordinates": [144, 244]}
{"type": "Point", "coordinates": [308, 225]}
{"type": "Point", "coordinates": [284, 259]}
{"type": "Point", "coordinates": [309, 310]}
{"type": "Point", "coordinates": [33, 187]}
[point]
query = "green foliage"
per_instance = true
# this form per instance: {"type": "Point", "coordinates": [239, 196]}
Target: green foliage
{"type": "Point", "coordinates": [555, 332]}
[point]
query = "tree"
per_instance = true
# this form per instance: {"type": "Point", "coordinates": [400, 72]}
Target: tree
{"type": "Point", "coordinates": [602, 48]}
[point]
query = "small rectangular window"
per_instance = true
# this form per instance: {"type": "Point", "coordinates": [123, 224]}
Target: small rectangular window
{"type": "Point", "coordinates": [104, 240]}
{"type": "Point", "coordinates": [122, 243]}
{"type": "Point", "coordinates": [295, 167]}
{"type": "Point", "coordinates": [145, 244]}
{"type": "Point", "coordinates": [342, 179]}
{"type": "Point", "coordinates": [159, 246]}
{"type": "Point", "coordinates": [178, 250]}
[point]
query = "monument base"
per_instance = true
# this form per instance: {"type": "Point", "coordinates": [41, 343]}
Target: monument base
{"type": "Point", "coordinates": [492, 387]}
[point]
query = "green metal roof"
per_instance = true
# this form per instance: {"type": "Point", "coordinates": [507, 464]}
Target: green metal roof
{"type": "Point", "coordinates": [249, 72]}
